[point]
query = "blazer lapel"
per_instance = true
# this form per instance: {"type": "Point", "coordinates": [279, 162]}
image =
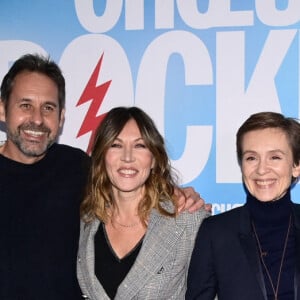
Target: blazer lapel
{"type": "Point", "coordinates": [87, 252]}
{"type": "Point", "coordinates": [248, 245]}
{"type": "Point", "coordinates": [160, 239]}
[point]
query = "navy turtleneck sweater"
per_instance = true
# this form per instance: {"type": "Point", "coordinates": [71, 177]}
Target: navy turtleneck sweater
{"type": "Point", "coordinates": [271, 221]}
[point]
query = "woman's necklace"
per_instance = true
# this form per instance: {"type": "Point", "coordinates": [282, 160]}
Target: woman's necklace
{"type": "Point", "coordinates": [114, 220]}
{"type": "Point", "coordinates": [262, 254]}
{"type": "Point", "coordinates": [127, 226]}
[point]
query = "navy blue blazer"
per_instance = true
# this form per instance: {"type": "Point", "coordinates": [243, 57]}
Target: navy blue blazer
{"type": "Point", "coordinates": [226, 250]}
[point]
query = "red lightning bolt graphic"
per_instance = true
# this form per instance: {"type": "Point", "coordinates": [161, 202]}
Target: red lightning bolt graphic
{"type": "Point", "coordinates": [96, 95]}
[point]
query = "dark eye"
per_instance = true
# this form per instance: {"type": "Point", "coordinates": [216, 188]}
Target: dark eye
{"type": "Point", "coordinates": [115, 145]}
{"type": "Point", "coordinates": [275, 157]}
{"type": "Point", "coordinates": [249, 158]}
{"type": "Point", "coordinates": [48, 108]}
{"type": "Point", "coordinates": [25, 106]}
{"type": "Point", "coordinates": [140, 145]}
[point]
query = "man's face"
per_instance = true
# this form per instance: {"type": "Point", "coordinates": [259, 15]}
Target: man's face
{"type": "Point", "coordinates": [32, 117]}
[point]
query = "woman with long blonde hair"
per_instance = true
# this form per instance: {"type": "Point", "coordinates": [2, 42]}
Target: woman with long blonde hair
{"type": "Point", "coordinates": [134, 244]}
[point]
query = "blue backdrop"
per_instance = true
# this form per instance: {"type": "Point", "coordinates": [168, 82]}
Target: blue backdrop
{"type": "Point", "coordinates": [199, 68]}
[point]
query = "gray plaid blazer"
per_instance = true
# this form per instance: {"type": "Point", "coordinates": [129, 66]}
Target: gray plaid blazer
{"type": "Point", "coordinates": [160, 269]}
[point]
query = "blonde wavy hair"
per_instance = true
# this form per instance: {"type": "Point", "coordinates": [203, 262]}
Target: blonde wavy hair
{"type": "Point", "coordinates": [160, 185]}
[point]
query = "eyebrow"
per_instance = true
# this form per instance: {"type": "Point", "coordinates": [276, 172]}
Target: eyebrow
{"type": "Point", "coordinates": [270, 151]}
{"type": "Point", "coordinates": [136, 140]}
{"type": "Point", "coordinates": [49, 102]}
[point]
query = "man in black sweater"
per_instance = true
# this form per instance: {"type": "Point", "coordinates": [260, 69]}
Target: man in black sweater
{"type": "Point", "coordinates": [41, 186]}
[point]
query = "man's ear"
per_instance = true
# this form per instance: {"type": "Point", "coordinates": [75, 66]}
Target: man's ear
{"type": "Point", "coordinates": [62, 118]}
{"type": "Point", "coordinates": [2, 111]}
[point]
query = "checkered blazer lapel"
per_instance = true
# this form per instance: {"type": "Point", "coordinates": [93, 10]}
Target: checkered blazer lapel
{"type": "Point", "coordinates": [160, 239]}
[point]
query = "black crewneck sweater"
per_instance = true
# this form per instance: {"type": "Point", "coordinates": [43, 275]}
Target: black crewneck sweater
{"type": "Point", "coordinates": [39, 225]}
{"type": "Point", "coordinates": [271, 221]}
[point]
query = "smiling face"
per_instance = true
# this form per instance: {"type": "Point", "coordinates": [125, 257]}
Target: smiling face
{"type": "Point", "coordinates": [128, 161]}
{"type": "Point", "coordinates": [267, 163]}
{"type": "Point", "coordinates": [32, 117]}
